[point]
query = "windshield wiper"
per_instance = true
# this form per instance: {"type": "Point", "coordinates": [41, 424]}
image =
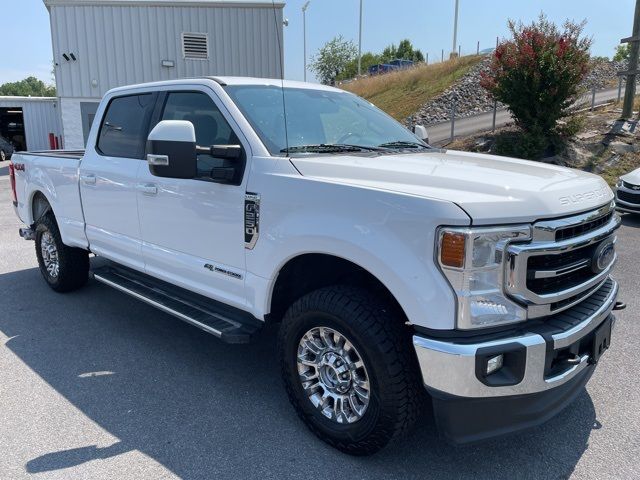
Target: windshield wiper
{"type": "Point", "coordinates": [330, 148]}
{"type": "Point", "coordinates": [403, 144]}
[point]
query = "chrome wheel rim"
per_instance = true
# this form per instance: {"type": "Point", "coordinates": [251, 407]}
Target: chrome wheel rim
{"type": "Point", "coordinates": [49, 254]}
{"type": "Point", "coordinates": [333, 375]}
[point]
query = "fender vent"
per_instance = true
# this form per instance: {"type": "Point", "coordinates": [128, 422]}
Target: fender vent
{"type": "Point", "coordinates": [195, 46]}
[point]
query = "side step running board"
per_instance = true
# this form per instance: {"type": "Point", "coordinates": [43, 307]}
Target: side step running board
{"type": "Point", "coordinates": [229, 324]}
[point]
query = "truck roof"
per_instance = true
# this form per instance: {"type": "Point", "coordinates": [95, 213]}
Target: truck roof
{"type": "Point", "coordinates": [276, 82]}
{"type": "Point", "coordinates": [222, 80]}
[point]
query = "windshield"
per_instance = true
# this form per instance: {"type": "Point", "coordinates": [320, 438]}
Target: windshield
{"type": "Point", "coordinates": [318, 121]}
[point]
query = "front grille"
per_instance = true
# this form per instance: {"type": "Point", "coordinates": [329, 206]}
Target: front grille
{"type": "Point", "coordinates": [630, 186]}
{"type": "Point", "coordinates": [628, 196]}
{"type": "Point", "coordinates": [581, 229]}
{"type": "Point", "coordinates": [554, 271]}
{"type": "Point", "coordinates": [545, 286]}
{"type": "Point", "coordinates": [562, 260]}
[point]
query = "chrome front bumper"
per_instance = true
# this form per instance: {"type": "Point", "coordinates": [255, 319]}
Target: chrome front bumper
{"type": "Point", "coordinates": [451, 368]}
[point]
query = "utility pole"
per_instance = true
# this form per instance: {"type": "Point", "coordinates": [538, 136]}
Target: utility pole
{"type": "Point", "coordinates": [360, 43]}
{"type": "Point", "coordinates": [304, 36]}
{"type": "Point", "coordinates": [455, 30]}
{"type": "Point", "coordinates": [634, 40]}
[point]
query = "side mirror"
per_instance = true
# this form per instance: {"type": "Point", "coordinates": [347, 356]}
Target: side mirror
{"type": "Point", "coordinates": [421, 132]}
{"type": "Point", "coordinates": [172, 150]}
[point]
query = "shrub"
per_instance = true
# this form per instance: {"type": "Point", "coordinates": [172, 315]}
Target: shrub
{"type": "Point", "coordinates": [537, 74]}
{"type": "Point", "coordinates": [532, 145]}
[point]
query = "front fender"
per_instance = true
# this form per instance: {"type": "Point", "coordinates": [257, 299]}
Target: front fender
{"type": "Point", "coordinates": [390, 235]}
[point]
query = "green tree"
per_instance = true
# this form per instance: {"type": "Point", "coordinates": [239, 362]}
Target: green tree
{"type": "Point", "coordinates": [404, 51]}
{"type": "Point", "coordinates": [537, 74]}
{"type": "Point", "coordinates": [333, 58]}
{"type": "Point", "coordinates": [30, 86]}
{"type": "Point", "coordinates": [351, 69]}
{"type": "Point", "coordinates": [622, 53]}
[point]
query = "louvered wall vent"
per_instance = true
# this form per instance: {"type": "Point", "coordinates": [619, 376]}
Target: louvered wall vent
{"type": "Point", "coordinates": [195, 46]}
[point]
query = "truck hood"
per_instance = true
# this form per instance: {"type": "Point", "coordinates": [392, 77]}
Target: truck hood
{"type": "Point", "coordinates": [632, 177]}
{"type": "Point", "coordinates": [490, 189]}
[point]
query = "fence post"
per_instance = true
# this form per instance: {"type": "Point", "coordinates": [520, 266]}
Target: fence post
{"type": "Point", "coordinates": [478, 48]}
{"type": "Point", "coordinates": [427, 58]}
{"type": "Point", "coordinates": [619, 88]}
{"type": "Point", "coordinates": [593, 97]}
{"type": "Point", "coordinates": [453, 118]}
{"type": "Point", "coordinates": [495, 111]}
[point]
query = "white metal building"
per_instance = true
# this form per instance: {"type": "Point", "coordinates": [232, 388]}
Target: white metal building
{"type": "Point", "coordinates": [30, 123]}
{"type": "Point", "coordinates": [101, 44]}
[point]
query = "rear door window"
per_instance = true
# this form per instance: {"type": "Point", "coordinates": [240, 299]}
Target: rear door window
{"type": "Point", "coordinates": [125, 125]}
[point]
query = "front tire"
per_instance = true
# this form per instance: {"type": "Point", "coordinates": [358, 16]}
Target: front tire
{"type": "Point", "coordinates": [64, 268]}
{"type": "Point", "coordinates": [349, 368]}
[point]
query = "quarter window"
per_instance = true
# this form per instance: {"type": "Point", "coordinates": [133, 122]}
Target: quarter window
{"type": "Point", "coordinates": [123, 132]}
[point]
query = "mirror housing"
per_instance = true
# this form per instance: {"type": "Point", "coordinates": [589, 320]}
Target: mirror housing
{"type": "Point", "coordinates": [421, 132]}
{"type": "Point", "coordinates": [172, 150]}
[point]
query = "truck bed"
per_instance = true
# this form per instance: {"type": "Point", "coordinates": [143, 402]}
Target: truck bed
{"type": "Point", "coordinates": [71, 154]}
{"type": "Point", "coordinates": [54, 175]}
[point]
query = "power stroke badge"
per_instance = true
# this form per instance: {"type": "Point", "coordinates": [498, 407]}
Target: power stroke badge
{"type": "Point", "coordinates": [251, 219]}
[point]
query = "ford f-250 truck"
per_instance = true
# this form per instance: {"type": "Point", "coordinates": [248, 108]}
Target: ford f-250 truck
{"type": "Point", "coordinates": [393, 268]}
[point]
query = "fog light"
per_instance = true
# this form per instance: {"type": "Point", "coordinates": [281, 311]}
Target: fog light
{"type": "Point", "coordinates": [494, 364]}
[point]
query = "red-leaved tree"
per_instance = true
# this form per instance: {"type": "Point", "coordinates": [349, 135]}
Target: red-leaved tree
{"type": "Point", "coordinates": [538, 72]}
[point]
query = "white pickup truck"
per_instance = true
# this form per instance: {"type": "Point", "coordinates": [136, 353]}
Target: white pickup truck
{"type": "Point", "coordinates": [393, 268]}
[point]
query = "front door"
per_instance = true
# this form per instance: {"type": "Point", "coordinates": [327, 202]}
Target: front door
{"type": "Point", "coordinates": [108, 179]}
{"type": "Point", "coordinates": [193, 230]}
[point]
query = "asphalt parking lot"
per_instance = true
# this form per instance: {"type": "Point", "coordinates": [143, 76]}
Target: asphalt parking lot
{"type": "Point", "coordinates": [96, 385]}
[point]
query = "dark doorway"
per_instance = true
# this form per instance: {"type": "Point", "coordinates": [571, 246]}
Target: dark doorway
{"type": "Point", "coordinates": [88, 112]}
{"type": "Point", "coordinates": [12, 127]}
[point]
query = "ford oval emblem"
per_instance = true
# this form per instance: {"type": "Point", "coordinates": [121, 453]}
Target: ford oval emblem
{"type": "Point", "coordinates": [603, 257]}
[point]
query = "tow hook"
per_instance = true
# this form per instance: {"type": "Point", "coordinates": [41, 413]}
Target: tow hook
{"type": "Point", "coordinates": [27, 233]}
{"type": "Point", "coordinates": [575, 360]}
{"type": "Point", "coordinates": [620, 306]}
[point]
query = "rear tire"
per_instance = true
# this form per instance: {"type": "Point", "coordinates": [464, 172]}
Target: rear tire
{"type": "Point", "coordinates": [378, 355]}
{"type": "Point", "coordinates": [64, 268]}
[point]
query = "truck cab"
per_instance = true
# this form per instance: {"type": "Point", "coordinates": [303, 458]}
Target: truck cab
{"type": "Point", "coordinates": [397, 272]}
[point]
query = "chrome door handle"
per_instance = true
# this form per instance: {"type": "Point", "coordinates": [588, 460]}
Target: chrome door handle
{"type": "Point", "coordinates": [148, 188]}
{"type": "Point", "coordinates": [88, 179]}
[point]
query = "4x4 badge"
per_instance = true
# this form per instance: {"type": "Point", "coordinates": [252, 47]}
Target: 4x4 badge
{"type": "Point", "coordinates": [251, 219]}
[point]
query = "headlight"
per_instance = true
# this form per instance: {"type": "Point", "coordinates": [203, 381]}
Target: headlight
{"type": "Point", "coordinates": [619, 183]}
{"type": "Point", "coordinates": [472, 259]}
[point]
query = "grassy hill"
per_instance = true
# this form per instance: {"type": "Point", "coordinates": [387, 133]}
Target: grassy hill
{"type": "Point", "coordinates": [402, 93]}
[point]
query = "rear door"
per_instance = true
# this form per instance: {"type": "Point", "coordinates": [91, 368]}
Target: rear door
{"type": "Point", "coordinates": [193, 229]}
{"type": "Point", "coordinates": [108, 178]}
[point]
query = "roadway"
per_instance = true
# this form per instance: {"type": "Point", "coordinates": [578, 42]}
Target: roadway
{"type": "Point", "coordinates": [440, 133]}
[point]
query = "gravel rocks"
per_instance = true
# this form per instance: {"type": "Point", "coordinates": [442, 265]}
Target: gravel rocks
{"type": "Point", "coordinates": [471, 99]}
